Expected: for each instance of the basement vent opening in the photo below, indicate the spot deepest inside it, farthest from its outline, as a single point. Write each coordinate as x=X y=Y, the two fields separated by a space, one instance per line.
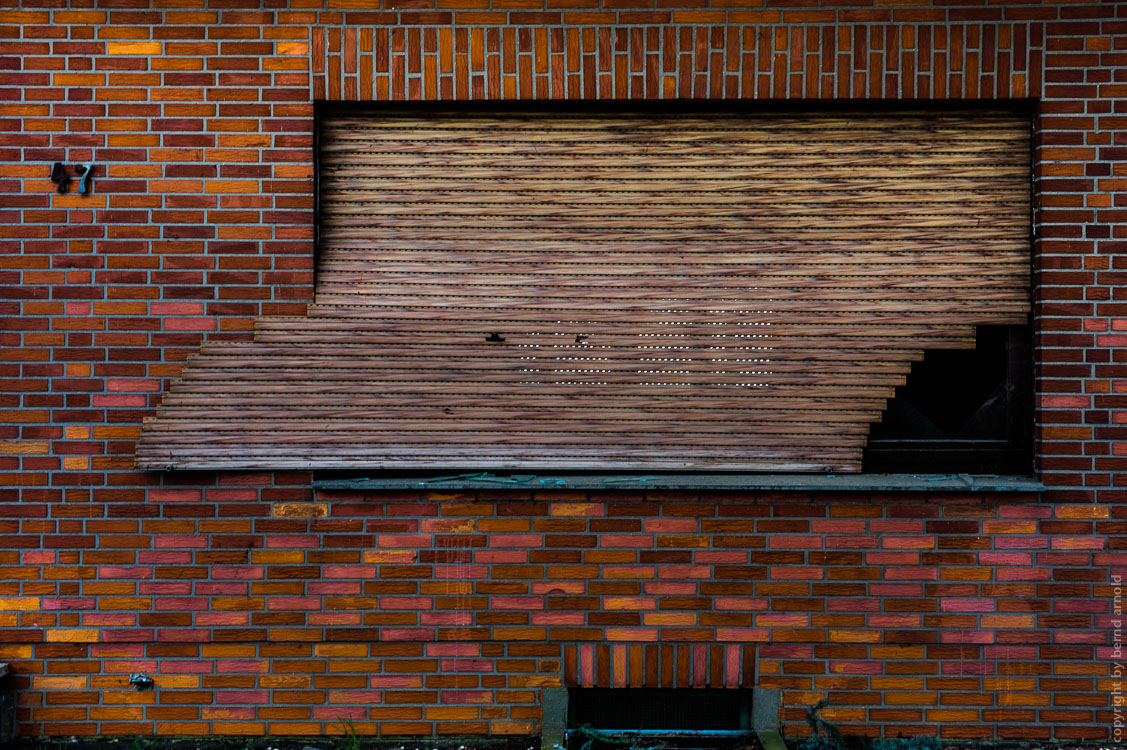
x=598 y=718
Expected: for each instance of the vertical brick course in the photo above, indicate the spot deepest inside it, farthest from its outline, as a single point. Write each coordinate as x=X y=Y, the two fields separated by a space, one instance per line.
x=262 y=607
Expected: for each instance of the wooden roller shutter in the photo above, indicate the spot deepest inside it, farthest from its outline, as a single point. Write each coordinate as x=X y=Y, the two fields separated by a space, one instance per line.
x=612 y=291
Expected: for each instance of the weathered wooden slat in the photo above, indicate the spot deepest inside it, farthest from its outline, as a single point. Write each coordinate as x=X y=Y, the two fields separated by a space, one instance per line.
x=776 y=299
x=349 y=429
x=702 y=185
x=376 y=155
x=594 y=290
x=576 y=375
x=348 y=140
x=493 y=444
x=729 y=406
x=690 y=262
x=513 y=437
x=772 y=250
x=893 y=151
x=333 y=367
x=589 y=387
x=360 y=335
x=859 y=229
x=355 y=214
x=437 y=355
x=358 y=203
x=866 y=333
x=967 y=201
x=236 y=460
x=762 y=317
x=389 y=285
x=378 y=214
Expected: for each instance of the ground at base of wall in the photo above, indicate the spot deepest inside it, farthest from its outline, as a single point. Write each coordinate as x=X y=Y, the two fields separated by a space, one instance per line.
x=431 y=743
x=343 y=742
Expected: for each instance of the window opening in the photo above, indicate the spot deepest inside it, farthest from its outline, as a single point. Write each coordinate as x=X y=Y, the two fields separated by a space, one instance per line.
x=660 y=708
x=961 y=410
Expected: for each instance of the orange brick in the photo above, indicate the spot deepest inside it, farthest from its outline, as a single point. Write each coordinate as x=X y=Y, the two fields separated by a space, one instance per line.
x=1082 y=511
x=58 y=635
x=117 y=713
x=300 y=510
x=50 y=682
x=19 y=603
x=855 y=636
x=133 y=48
x=24 y=447
x=894 y=698
x=952 y=714
x=1024 y=699
x=578 y=509
x=897 y=683
x=182 y=727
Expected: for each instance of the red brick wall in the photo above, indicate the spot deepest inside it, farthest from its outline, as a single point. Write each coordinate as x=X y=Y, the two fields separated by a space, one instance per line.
x=262 y=607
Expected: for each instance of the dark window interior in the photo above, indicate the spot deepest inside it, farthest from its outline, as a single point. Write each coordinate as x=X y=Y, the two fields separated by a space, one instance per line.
x=961 y=411
x=633 y=709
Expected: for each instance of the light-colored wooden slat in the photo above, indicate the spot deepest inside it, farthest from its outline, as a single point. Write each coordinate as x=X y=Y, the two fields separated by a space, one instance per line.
x=765 y=320
x=342 y=336
x=349 y=429
x=377 y=214
x=916 y=178
x=968 y=201
x=890 y=151
x=359 y=177
x=436 y=354
x=688 y=261
x=513 y=438
x=353 y=215
x=260 y=366
x=590 y=388
x=775 y=249
x=643 y=163
x=752 y=376
x=775 y=299
x=340 y=460
x=492 y=444
x=387 y=286
x=728 y=407
x=884 y=332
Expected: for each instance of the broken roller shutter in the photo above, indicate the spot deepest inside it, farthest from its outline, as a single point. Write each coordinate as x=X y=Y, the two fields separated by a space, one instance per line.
x=604 y=291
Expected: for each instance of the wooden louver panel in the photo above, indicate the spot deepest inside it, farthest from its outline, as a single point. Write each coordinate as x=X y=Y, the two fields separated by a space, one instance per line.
x=603 y=291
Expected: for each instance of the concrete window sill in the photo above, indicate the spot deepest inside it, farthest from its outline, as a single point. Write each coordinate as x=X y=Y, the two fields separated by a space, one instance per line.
x=741 y=482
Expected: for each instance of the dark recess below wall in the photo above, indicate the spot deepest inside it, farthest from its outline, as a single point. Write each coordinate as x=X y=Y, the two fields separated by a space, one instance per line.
x=340 y=742
x=413 y=743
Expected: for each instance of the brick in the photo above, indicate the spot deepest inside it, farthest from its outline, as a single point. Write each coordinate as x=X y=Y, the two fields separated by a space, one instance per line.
x=133 y=48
